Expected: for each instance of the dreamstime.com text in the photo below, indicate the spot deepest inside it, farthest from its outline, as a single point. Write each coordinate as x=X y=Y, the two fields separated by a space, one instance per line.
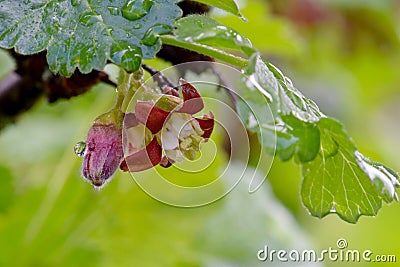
x=338 y=254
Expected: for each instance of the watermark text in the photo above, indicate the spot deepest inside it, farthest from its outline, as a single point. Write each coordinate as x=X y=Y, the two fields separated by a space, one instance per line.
x=340 y=253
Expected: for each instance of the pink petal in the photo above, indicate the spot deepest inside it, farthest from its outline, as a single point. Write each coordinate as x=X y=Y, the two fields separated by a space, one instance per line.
x=206 y=124
x=192 y=101
x=143 y=159
x=130 y=120
x=151 y=116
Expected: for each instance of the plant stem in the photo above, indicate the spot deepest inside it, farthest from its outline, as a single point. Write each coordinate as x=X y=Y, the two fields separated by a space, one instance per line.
x=127 y=99
x=128 y=84
x=158 y=77
x=205 y=50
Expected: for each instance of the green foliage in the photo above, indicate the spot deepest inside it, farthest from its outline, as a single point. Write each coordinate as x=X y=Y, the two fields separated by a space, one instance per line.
x=49 y=217
x=337 y=178
x=205 y=30
x=85 y=34
x=341 y=180
x=302 y=131
x=206 y=36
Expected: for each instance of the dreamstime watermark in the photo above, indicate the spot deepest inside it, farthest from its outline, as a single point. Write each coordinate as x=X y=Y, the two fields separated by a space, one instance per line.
x=340 y=253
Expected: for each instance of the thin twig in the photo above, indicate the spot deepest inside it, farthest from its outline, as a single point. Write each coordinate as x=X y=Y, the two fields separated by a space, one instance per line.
x=158 y=77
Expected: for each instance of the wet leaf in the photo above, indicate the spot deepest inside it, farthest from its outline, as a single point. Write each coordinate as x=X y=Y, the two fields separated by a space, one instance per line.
x=205 y=30
x=284 y=98
x=336 y=177
x=85 y=34
x=336 y=183
x=307 y=137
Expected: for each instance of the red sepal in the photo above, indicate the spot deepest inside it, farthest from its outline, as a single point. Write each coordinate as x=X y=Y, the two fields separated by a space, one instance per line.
x=143 y=159
x=206 y=124
x=192 y=101
x=151 y=116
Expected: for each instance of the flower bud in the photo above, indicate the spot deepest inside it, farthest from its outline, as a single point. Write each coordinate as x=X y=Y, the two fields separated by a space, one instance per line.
x=104 y=151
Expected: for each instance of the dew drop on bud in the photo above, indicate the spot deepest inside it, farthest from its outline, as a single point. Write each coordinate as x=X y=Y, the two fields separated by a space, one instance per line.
x=80 y=149
x=115 y=11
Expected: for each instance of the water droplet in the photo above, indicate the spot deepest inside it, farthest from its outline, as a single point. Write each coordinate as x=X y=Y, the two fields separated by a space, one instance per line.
x=80 y=149
x=151 y=36
x=88 y=19
x=288 y=81
x=137 y=26
x=188 y=39
x=384 y=178
x=106 y=32
x=230 y=37
x=37 y=5
x=57 y=26
x=97 y=188
x=115 y=11
x=199 y=23
x=243 y=18
x=128 y=57
x=136 y=9
x=75 y=2
x=131 y=60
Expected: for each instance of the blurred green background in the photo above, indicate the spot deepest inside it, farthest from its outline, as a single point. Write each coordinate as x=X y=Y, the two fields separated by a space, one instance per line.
x=342 y=54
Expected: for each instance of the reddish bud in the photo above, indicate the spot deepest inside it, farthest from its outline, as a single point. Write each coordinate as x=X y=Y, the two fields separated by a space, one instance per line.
x=104 y=152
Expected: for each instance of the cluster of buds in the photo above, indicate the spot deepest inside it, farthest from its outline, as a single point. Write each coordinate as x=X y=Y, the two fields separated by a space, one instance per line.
x=158 y=132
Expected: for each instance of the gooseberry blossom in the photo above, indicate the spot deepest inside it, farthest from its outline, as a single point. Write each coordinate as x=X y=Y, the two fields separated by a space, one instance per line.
x=165 y=131
x=161 y=132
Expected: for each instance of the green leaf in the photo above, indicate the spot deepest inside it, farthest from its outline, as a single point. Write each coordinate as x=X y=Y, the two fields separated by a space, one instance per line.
x=227 y=5
x=295 y=114
x=206 y=36
x=85 y=34
x=205 y=30
x=337 y=178
x=308 y=138
x=336 y=183
x=205 y=50
x=284 y=98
